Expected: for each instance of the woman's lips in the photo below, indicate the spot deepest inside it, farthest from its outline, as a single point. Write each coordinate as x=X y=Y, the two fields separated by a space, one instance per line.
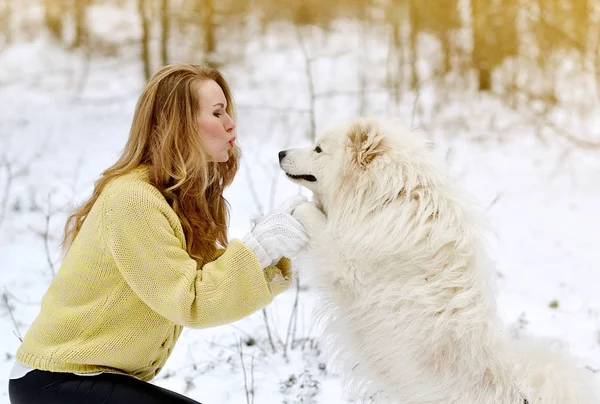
x=231 y=142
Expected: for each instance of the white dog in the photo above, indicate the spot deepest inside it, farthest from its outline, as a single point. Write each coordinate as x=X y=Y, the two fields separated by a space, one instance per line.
x=409 y=302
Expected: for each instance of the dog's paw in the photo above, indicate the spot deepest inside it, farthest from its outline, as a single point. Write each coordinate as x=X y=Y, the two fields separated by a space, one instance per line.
x=311 y=217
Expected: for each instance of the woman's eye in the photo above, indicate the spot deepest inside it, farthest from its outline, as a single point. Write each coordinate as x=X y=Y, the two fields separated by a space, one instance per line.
x=318 y=149
x=217 y=114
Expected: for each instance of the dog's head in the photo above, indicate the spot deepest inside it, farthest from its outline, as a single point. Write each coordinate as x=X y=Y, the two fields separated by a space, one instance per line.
x=361 y=159
x=386 y=199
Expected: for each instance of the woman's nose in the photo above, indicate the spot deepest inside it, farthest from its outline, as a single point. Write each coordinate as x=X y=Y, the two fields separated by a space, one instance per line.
x=230 y=126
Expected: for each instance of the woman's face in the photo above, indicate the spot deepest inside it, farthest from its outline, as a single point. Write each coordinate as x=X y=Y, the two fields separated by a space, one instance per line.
x=216 y=126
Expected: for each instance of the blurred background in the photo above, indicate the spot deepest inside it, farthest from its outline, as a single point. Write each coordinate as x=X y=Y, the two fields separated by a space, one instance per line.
x=476 y=45
x=507 y=90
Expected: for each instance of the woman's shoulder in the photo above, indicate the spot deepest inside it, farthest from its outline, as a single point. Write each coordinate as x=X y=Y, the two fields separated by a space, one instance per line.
x=133 y=189
x=132 y=204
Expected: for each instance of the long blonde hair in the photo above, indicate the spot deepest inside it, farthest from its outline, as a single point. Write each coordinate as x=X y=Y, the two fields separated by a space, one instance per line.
x=164 y=136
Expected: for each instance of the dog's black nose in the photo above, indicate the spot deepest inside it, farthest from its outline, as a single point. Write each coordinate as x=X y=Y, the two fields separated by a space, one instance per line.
x=282 y=155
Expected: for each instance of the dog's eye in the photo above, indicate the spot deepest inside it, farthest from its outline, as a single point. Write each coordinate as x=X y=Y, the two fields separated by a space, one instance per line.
x=318 y=149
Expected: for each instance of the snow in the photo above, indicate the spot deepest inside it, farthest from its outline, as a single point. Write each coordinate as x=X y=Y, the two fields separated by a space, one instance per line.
x=60 y=128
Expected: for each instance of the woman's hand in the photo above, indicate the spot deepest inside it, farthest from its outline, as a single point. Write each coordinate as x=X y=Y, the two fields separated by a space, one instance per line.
x=278 y=234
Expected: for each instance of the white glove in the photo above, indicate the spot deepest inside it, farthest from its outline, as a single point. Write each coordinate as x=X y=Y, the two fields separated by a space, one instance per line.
x=278 y=234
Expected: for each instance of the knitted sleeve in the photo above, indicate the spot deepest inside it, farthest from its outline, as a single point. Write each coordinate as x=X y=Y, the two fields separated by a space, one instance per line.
x=279 y=276
x=139 y=231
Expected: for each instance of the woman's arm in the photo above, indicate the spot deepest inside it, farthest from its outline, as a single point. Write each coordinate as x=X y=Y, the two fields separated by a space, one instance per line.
x=139 y=232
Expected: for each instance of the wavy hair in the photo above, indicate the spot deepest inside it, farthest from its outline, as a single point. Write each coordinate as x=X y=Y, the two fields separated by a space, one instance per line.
x=164 y=137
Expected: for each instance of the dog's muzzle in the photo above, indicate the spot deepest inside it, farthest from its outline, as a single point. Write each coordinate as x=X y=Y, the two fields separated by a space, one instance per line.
x=305 y=177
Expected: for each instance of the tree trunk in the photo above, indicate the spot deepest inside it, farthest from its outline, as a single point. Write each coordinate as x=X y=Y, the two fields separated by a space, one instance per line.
x=53 y=17
x=447 y=52
x=6 y=20
x=480 y=57
x=208 y=30
x=415 y=28
x=395 y=72
x=145 y=38
x=81 y=29
x=165 y=32
x=581 y=17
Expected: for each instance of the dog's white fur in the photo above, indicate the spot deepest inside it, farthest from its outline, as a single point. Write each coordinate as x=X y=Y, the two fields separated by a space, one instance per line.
x=409 y=304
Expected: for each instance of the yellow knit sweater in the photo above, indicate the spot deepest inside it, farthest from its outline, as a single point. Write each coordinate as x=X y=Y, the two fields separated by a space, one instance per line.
x=127 y=287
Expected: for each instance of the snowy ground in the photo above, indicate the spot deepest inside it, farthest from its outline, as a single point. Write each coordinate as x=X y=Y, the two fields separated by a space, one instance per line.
x=59 y=131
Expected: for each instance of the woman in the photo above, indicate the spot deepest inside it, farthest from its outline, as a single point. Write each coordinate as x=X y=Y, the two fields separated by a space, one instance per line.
x=143 y=258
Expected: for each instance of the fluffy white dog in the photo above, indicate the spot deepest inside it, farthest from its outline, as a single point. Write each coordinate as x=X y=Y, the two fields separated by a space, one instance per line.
x=409 y=303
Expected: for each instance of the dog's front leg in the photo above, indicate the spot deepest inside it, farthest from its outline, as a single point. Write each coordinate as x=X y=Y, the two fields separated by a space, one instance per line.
x=321 y=259
x=313 y=220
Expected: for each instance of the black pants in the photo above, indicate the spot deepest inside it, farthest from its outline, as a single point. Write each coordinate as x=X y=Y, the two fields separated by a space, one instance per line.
x=41 y=387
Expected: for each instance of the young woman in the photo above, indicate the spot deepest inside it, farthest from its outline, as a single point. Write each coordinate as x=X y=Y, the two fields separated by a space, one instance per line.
x=148 y=254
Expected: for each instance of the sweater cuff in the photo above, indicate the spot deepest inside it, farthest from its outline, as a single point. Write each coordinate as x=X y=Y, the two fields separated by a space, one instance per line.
x=263 y=258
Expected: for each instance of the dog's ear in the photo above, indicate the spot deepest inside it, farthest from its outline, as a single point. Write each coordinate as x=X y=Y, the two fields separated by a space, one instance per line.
x=366 y=142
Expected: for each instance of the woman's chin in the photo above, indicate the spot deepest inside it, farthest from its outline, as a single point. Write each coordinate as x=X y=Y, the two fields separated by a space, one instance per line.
x=224 y=158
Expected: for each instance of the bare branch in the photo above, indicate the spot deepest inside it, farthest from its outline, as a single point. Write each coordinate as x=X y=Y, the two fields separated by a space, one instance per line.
x=12 y=316
x=310 y=82
x=493 y=202
x=48 y=211
x=249 y=390
x=264 y=311
x=46 y=235
x=293 y=315
x=576 y=141
x=414 y=110
x=13 y=172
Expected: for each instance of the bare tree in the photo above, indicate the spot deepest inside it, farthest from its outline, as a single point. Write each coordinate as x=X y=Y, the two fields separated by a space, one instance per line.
x=312 y=97
x=53 y=17
x=10 y=309
x=362 y=62
x=495 y=36
x=397 y=15
x=143 y=12
x=248 y=385
x=6 y=19
x=290 y=336
x=12 y=171
x=208 y=23
x=481 y=59
x=415 y=28
x=81 y=28
x=596 y=64
x=581 y=19
x=48 y=209
x=165 y=31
